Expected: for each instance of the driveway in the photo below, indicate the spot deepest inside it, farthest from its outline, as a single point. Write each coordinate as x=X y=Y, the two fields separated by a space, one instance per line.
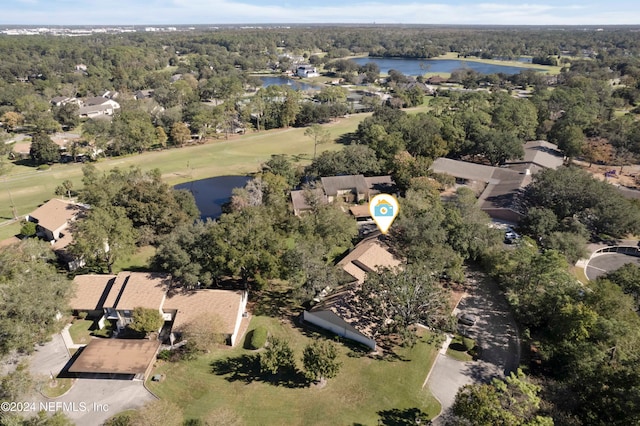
x=92 y=401
x=496 y=333
x=89 y=402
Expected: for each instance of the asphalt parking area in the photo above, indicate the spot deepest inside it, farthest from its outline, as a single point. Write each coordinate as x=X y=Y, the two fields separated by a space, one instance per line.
x=608 y=262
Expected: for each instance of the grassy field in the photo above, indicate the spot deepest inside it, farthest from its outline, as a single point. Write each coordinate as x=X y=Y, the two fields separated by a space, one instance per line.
x=366 y=389
x=27 y=188
x=454 y=55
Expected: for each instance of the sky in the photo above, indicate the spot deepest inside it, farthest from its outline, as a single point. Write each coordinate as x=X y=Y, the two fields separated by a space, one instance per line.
x=463 y=12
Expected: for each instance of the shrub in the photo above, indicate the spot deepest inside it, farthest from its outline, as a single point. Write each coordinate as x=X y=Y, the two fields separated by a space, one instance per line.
x=28 y=229
x=82 y=314
x=164 y=355
x=43 y=167
x=258 y=337
x=468 y=343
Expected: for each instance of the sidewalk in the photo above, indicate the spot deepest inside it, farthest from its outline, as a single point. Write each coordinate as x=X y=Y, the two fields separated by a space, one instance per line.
x=66 y=338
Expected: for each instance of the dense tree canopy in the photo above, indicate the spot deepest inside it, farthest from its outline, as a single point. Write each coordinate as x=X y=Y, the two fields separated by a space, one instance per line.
x=573 y=193
x=28 y=313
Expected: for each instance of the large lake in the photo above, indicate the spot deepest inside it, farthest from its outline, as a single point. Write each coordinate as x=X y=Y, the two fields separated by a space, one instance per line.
x=212 y=193
x=286 y=81
x=417 y=67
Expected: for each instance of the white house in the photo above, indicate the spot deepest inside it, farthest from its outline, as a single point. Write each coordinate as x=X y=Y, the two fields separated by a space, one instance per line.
x=307 y=71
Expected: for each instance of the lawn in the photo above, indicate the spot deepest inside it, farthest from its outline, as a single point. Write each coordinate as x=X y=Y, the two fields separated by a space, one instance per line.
x=365 y=391
x=27 y=188
x=139 y=261
x=56 y=387
x=457 y=350
x=79 y=331
x=547 y=68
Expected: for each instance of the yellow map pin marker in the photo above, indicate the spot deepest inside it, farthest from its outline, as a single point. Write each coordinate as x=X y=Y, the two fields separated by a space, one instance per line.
x=384 y=208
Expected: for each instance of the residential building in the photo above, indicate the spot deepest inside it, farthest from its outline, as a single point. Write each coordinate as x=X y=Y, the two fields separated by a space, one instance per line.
x=307 y=71
x=53 y=219
x=338 y=312
x=349 y=188
x=114 y=297
x=499 y=189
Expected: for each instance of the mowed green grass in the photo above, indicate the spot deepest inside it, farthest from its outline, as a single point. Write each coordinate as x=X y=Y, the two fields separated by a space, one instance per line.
x=364 y=386
x=27 y=188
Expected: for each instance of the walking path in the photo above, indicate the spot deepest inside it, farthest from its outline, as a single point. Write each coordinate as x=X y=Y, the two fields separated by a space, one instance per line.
x=66 y=337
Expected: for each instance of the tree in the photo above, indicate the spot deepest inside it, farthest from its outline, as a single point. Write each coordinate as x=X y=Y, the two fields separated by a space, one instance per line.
x=569 y=137
x=398 y=299
x=319 y=135
x=17 y=384
x=132 y=132
x=150 y=204
x=28 y=317
x=277 y=358
x=320 y=360
x=180 y=133
x=103 y=237
x=161 y=135
x=43 y=150
x=352 y=160
x=12 y=120
x=146 y=320
x=65 y=188
x=159 y=412
x=513 y=401
x=67 y=115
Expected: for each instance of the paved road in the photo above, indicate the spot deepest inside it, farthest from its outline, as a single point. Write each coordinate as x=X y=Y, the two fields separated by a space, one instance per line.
x=90 y=401
x=603 y=263
x=496 y=333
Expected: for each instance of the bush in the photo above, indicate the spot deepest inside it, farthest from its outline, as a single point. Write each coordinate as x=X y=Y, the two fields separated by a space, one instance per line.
x=468 y=343
x=43 y=167
x=258 y=338
x=82 y=315
x=28 y=229
x=164 y=355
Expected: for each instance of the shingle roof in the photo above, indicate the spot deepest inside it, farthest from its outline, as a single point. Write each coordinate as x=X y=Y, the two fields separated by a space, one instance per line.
x=137 y=289
x=333 y=184
x=96 y=100
x=463 y=169
x=190 y=305
x=368 y=256
x=380 y=184
x=542 y=153
x=55 y=213
x=341 y=308
x=91 y=291
x=299 y=201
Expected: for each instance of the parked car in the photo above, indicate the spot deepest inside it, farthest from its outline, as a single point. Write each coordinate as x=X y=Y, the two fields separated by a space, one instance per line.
x=511 y=236
x=467 y=319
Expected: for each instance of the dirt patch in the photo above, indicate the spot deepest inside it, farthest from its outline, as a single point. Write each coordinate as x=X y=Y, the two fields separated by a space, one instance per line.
x=628 y=177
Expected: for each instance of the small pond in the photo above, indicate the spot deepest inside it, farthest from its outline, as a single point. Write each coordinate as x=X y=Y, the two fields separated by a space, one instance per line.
x=212 y=193
x=286 y=81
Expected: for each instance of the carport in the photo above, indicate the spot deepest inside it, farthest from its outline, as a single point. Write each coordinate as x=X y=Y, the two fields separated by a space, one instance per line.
x=123 y=359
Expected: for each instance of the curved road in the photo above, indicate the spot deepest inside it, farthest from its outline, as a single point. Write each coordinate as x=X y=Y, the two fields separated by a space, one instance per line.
x=497 y=334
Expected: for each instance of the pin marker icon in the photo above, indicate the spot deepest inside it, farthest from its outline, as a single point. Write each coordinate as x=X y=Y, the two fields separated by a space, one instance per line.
x=384 y=208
